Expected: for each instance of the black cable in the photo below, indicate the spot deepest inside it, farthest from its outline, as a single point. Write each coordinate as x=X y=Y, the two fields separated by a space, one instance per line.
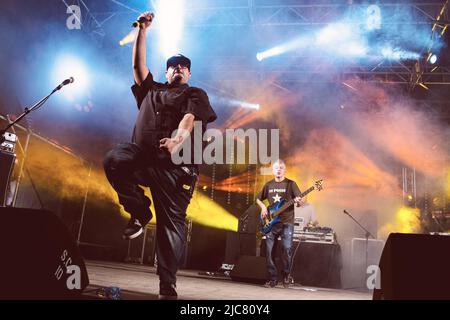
x=293 y=257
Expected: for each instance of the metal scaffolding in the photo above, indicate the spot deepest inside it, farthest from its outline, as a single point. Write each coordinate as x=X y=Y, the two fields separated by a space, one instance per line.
x=215 y=15
x=317 y=13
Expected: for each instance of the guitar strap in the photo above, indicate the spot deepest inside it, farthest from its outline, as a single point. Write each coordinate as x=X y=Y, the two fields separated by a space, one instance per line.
x=288 y=190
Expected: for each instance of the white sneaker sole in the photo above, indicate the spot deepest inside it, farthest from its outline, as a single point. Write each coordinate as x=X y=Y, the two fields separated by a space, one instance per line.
x=134 y=235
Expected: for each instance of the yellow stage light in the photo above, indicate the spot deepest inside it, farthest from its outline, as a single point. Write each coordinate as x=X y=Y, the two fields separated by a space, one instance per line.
x=423 y=86
x=205 y=211
x=407 y=220
x=128 y=38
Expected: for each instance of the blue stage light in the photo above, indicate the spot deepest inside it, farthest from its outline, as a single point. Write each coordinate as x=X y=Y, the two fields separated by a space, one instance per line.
x=433 y=59
x=67 y=66
x=169 y=21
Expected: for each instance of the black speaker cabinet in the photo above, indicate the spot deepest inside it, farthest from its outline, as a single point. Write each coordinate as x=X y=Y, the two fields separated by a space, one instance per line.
x=250 y=269
x=39 y=257
x=313 y=264
x=249 y=220
x=414 y=266
x=6 y=166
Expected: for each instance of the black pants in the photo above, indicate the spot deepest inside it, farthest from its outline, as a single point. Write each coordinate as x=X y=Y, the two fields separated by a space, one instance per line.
x=127 y=166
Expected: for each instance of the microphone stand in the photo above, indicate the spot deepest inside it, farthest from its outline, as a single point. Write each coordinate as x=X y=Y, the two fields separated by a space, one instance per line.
x=27 y=111
x=37 y=105
x=367 y=235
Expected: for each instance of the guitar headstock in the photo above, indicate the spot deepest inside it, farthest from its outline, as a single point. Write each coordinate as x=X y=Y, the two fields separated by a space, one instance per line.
x=318 y=184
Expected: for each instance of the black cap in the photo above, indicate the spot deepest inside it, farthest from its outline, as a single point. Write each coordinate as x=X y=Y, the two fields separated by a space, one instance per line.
x=178 y=59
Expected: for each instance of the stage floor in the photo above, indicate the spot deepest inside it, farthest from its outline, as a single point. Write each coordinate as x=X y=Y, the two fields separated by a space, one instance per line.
x=141 y=282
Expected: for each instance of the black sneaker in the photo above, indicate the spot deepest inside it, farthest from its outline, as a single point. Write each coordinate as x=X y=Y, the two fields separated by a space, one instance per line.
x=271 y=283
x=167 y=291
x=133 y=229
x=287 y=281
x=148 y=214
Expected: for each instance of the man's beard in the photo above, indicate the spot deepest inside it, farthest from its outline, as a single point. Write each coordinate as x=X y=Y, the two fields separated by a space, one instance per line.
x=177 y=78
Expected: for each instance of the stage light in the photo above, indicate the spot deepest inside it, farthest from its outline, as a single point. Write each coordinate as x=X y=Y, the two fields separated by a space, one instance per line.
x=437 y=202
x=423 y=85
x=170 y=24
x=67 y=66
x=407 y=219
x=205 y=211
x=349 y=86
x=398 y=54
x=335 y=33
x=129 y=37
x=243 y=104
x=250 y=105
x=269 y=53
x=227 y=102
x=341 y=39
x=297 y=43
x=433 y=59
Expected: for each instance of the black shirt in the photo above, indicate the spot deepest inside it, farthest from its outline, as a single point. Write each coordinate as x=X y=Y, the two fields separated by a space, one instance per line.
x=161 y=108
x=279 y=191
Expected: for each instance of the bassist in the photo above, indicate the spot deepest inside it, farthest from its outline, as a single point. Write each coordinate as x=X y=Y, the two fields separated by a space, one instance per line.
x=278 y=190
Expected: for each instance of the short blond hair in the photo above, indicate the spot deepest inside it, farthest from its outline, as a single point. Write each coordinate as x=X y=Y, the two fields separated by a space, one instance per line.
x=280 y=161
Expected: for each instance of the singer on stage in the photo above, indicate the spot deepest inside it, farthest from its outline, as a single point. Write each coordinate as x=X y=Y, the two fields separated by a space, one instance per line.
x=146 y=161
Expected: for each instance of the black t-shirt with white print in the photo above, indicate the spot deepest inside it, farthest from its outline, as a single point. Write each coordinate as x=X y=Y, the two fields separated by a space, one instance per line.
x=276 y=192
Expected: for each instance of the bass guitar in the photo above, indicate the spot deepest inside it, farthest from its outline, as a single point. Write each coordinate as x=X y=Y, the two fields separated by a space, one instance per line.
x=274 y=211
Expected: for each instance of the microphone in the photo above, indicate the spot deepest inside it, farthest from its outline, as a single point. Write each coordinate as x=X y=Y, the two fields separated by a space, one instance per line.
x=65 y=82
x=138 y=22
x=345 y=211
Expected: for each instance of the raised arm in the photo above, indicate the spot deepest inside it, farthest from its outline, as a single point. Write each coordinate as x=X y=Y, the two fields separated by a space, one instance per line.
x=140 y=69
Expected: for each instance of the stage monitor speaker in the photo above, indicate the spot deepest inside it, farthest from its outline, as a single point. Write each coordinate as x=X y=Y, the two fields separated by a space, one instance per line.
x=250 y=269
x=358 y=268
x=40 y=259
x=6 y=166
x=414 y=266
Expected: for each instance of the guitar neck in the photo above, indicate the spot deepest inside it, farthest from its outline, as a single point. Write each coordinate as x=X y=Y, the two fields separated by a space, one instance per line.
x=291 y=202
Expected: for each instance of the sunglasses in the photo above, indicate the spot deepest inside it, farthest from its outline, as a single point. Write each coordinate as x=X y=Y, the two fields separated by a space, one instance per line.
x=180 y=65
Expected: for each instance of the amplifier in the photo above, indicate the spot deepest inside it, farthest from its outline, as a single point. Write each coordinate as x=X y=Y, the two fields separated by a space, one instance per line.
x=315 y=235
x=9 y=145
x=6 y=167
